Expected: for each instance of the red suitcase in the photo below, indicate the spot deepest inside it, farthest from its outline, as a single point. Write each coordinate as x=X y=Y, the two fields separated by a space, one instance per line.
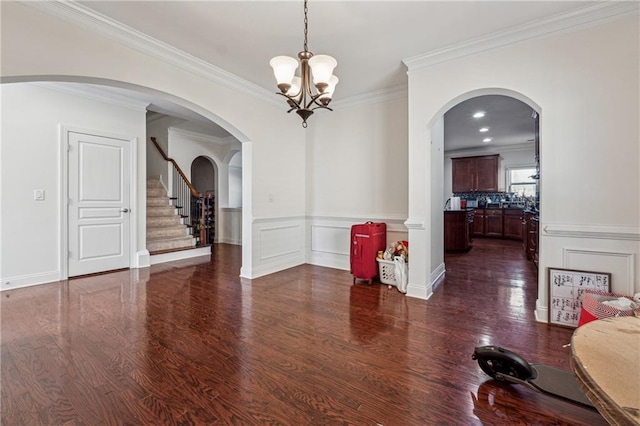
x=366 y=240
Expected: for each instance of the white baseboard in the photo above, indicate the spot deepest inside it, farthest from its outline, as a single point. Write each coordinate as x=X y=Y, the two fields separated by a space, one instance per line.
x=271 y=268
x=418 y=291
x=541 y=312
x=10 y=283
x=329 y=260
x=231 y=241
x=143 y=259
x=179 y=255
x=425 y=292
x=437 y=277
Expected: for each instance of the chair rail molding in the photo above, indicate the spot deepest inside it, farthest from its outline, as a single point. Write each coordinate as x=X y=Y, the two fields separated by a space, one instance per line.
x=631 y=233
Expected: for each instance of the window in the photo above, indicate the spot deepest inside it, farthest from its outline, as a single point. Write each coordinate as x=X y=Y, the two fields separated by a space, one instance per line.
x=520 y=181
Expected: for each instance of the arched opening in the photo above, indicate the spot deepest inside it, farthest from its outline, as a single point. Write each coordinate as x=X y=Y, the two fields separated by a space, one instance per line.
x=134 y=97
x=507 y=137
x=203 y=176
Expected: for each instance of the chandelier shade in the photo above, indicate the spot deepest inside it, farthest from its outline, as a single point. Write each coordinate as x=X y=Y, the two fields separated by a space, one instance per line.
x=284 y=68
x=322 y=69
x=300 y=94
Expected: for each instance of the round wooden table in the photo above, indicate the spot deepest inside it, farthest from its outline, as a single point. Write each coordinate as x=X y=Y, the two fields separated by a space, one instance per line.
x=606 y=361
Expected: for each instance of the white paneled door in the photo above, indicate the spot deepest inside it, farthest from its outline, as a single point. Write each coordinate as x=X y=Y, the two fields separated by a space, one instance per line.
x=98 y=203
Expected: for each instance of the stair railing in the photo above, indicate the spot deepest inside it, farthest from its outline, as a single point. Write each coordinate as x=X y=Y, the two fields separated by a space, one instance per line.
x=195 y=208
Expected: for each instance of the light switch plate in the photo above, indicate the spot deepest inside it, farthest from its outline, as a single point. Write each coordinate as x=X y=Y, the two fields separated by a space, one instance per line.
x=38 y=194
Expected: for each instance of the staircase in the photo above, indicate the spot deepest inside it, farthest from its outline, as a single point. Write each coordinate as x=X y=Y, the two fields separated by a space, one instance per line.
x=165 y=230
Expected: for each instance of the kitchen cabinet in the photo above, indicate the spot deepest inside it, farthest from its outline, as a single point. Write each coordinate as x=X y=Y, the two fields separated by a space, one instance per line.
x=525 y=231
x=531 y=237
x=493 y=223
x=457 y=229
x=512 y=224
x=473 y=174
x=534 y=240
x=478 y=222
x=503 y=223
x=488 y=222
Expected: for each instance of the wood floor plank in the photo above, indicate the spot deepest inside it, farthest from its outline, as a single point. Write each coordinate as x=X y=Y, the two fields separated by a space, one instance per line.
x=191 y=343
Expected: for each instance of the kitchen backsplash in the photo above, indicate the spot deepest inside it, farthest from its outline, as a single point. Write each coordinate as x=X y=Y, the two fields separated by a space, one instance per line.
x=484 y=198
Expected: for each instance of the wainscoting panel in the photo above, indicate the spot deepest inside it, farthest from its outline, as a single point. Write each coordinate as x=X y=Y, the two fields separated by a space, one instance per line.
x=329 y=238
x=330 y=245
x=620 y=265
x=278 y=244
x=278 y=241
x=597 y=248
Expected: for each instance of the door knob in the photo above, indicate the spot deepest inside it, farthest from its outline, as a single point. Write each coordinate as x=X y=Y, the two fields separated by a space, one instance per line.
x=125 y=210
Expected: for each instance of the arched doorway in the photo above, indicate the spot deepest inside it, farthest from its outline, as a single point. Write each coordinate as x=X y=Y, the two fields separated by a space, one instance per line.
x=491 y=184
x=203 y=176
x=426 y=235
x=137 y=98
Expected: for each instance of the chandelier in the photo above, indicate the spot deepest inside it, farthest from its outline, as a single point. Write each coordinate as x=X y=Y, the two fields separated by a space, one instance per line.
x=298 y=90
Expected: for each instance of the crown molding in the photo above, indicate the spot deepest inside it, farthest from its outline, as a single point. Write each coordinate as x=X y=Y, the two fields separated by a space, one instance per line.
x=383 y=95
x=565 y=22
x=93 y=21
x=90 y=20
x=201 y=137
x=100 y=96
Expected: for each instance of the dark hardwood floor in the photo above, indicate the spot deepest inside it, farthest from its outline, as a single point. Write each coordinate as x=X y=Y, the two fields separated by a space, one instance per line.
x=191 y=343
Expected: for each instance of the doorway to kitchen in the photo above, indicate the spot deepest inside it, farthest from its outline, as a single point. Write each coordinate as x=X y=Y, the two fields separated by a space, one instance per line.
x=491 y=188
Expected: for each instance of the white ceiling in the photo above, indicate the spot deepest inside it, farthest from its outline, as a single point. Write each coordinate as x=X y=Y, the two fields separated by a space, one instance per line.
x=510 y=122
x=368 y=38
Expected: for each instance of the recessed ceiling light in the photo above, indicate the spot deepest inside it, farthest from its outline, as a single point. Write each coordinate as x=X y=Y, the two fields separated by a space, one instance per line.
x=478 y=114
x=485 y=140
x=484 y=129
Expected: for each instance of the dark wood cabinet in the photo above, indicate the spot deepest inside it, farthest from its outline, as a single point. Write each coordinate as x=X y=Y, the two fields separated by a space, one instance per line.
x=504 y=223
x=472 y=174
x=493 y=223
x=487 y=173
x=531 y=237
x=478 y=222
x=512 y=224
x=463 y=174
x=457 y=230
x=534 y=240
x=525 y=231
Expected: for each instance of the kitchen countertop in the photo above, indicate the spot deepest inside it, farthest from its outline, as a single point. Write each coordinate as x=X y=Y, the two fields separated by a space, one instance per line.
x=501 y=208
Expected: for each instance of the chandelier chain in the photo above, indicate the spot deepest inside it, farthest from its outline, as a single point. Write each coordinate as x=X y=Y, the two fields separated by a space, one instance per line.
x=306 y=23
x=303 y=94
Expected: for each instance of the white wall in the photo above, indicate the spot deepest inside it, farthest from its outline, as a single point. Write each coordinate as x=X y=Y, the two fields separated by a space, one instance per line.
x=157 y=167
x=357 y=171
x=230 y=226
x=30 y=159
x=585 y=84
x=437 y=209
x=43 y=47
x=235 y=180
x=185 y=146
